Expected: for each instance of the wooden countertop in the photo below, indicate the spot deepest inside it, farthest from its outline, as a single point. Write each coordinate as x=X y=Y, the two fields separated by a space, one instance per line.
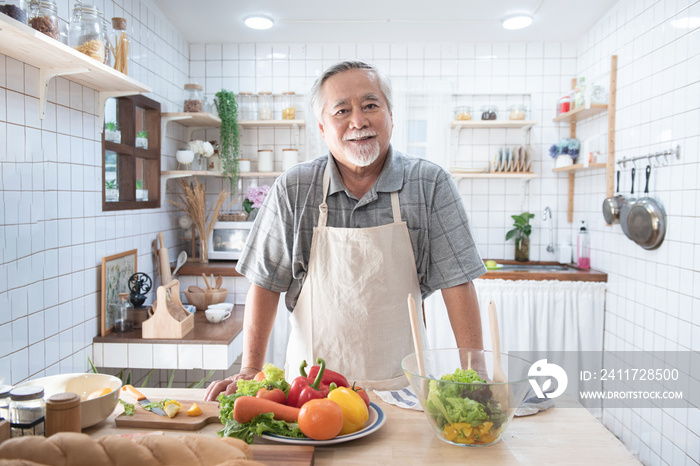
x=571 y=273
x=204 y=332
x=569 y=436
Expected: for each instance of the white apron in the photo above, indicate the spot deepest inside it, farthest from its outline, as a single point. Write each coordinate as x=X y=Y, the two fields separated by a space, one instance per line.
x=352 y=310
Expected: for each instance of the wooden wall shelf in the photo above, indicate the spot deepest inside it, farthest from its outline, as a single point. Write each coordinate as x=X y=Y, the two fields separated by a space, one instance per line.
x=482 y=124
x=579 y=167
x=582 y=113
x=522 y=175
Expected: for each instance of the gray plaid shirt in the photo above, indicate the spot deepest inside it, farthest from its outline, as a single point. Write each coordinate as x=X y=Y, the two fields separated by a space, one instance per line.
x=276 y=256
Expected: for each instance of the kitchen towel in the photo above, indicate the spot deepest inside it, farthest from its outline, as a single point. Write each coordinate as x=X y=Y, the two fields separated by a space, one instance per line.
x=405 y=398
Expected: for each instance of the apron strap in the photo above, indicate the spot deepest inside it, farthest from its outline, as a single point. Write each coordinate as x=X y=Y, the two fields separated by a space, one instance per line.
x=395 y=208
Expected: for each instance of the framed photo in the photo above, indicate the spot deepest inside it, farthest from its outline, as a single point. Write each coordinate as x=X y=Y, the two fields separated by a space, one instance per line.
x=116 y=271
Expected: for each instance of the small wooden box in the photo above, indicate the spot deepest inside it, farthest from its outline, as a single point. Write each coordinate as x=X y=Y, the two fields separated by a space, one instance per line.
x=169 y=318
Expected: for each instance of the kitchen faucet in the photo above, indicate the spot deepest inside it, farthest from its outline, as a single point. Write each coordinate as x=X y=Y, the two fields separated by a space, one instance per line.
x=547 y=215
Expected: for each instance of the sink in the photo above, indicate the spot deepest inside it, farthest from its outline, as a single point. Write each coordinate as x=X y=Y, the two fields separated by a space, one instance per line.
x=535 y=268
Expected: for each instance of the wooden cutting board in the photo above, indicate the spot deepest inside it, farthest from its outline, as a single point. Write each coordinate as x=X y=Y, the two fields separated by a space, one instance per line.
x=143 y=419
x=283 y=455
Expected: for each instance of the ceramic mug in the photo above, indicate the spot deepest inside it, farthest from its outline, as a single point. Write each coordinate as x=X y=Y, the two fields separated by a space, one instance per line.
x=217 y=315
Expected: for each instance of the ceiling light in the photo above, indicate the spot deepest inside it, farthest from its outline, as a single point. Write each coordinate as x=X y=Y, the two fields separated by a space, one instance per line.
x=258 y=22
x=517 y=22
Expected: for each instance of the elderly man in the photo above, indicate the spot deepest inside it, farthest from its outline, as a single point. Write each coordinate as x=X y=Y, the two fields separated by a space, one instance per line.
x=348 y=236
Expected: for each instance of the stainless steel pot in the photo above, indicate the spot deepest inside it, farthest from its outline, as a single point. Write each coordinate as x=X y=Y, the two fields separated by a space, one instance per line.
x=612 y=205
x=625 y=209
x=646 y=220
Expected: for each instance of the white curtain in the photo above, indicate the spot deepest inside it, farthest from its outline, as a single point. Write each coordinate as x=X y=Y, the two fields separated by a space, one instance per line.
x=533 y=315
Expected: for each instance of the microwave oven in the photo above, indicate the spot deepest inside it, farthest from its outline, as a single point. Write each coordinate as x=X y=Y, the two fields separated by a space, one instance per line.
x=227 y=239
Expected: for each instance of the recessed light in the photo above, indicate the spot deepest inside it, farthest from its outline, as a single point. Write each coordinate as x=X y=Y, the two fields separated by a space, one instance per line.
x=517 y=22
x=258 y=22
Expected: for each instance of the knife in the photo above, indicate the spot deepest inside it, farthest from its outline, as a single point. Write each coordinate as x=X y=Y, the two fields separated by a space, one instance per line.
x=141 y=398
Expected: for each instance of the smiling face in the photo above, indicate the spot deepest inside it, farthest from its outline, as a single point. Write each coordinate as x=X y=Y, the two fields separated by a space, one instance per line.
x=355 y=121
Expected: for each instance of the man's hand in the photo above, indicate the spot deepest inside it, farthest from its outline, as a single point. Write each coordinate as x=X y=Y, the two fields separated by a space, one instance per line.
x=228 y=386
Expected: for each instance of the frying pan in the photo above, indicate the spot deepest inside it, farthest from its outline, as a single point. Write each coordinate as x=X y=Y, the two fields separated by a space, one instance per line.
x=646 y=220
x=612 y=205
x=625 y=209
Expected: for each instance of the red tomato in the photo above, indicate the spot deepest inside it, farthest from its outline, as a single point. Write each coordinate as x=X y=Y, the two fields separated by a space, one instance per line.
x=321 y=419
x=363 y=394
x=276 y=394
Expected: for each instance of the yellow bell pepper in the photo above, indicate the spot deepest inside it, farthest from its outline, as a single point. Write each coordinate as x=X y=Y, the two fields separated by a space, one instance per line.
x=355 y=413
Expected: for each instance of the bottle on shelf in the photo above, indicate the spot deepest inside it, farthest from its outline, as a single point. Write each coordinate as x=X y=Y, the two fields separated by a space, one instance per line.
x=265 y=105
x=120 y=45
x=583 y=247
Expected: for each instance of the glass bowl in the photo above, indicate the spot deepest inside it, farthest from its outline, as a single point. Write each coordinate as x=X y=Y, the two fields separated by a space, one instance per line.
x=467 y=414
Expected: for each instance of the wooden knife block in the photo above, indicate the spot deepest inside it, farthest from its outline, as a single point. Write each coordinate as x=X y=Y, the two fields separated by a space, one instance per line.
x=167 y=321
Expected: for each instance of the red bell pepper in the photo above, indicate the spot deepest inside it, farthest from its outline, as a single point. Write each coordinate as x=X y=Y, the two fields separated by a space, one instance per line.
x=306 y=388
x=329 y=377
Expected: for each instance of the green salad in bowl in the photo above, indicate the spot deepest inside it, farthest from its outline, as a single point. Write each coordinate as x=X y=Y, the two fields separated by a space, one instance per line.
x=462 y=406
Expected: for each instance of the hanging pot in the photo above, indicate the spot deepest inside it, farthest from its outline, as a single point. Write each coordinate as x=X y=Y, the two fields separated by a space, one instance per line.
x=646 y=220
x=625 y=209
x=612 y=205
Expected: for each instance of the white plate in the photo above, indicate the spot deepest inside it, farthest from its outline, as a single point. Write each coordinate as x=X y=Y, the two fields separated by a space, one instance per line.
x=375 y=421
x=467 y=170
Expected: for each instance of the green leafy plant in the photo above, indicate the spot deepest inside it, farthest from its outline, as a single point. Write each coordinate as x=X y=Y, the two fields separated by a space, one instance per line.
x=229 y=136
x=111 y=126
x=521 y=227
x=142 y=134
x=111 y=184
x=139 y=184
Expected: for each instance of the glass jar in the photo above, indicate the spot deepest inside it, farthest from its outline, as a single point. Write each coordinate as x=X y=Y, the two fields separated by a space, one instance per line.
x=517 y=112
x=288 y=109
x=246 y=105
x=265 y=105
x=194 y=98
x=123 y=313
x=266 y=160
x=120 y=45
x=5 y=401
x=564 y=105
x=108 y=46
x=463 y=113
x=489 y=112
x=27 y=411
x=86 y=32
x=44 y=18
x=15 y=9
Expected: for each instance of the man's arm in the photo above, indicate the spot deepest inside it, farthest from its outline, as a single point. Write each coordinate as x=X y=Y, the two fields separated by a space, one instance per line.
x=258 y=319
x=465 y=318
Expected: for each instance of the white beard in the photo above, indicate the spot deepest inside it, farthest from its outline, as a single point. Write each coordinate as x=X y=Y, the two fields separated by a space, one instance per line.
x=364 y=155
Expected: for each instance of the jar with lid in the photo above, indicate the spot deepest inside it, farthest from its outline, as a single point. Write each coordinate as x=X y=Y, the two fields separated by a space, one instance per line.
x=564 y=105
x=489 y=112
x=463 y=113
x=517 y=112
x=290 y=157
x=15 y=9
x=194 y=98
x=105 y=30
x=63 y=413
x=86 y=32
x=265 y=105
x=288 y=108
x=5 y=401
x=246 y=105
x=43 y=17
x=27 y=411
x=123 y=313
x=266 y=160
x=120 y=45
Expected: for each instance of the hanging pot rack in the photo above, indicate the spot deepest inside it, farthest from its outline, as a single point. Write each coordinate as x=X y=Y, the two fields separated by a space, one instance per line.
x=655 y=157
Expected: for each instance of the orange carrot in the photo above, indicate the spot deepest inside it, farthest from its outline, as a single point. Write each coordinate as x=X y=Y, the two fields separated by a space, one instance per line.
x=259 y=377
x=247 y=407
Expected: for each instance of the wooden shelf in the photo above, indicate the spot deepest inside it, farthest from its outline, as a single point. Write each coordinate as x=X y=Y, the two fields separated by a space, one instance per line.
x=270 y=123
x=482 y=124
x=225 y=268
x=521 y=175
x=579 y=167
x=201 y=119
x=171 y=174
x=582 y=113
x=56 y=59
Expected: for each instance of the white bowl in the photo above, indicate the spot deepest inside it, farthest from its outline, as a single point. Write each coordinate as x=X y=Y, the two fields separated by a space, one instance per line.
x=216 y=316
x=91 y=411
x=184 y=156
x=223 y=306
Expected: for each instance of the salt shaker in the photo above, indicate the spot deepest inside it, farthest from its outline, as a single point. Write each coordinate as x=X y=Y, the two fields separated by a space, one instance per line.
x=62 y=413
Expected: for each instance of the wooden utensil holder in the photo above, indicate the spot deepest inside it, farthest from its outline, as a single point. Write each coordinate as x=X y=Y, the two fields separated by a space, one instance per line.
x=164 y=323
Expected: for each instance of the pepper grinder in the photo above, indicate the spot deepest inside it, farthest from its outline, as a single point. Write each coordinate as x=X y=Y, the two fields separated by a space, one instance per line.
x=63 y=413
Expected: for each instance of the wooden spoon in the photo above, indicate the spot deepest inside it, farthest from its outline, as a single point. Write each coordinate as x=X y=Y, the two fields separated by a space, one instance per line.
x=219 y=281
x=195 y=289
x=206 y=281
x=415 y=327
x=500 y=392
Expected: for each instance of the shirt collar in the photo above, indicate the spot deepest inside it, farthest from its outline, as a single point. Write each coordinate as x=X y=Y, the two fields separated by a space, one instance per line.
x=390 y=178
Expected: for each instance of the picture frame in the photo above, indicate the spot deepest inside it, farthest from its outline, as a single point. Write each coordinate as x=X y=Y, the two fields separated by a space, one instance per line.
x=116 y=270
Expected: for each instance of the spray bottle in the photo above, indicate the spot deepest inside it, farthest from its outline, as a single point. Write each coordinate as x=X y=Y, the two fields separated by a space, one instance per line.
x=583 y=247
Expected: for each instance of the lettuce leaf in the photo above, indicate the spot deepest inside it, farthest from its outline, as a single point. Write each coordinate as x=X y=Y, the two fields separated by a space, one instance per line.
x=262 y=424
x=274 y=378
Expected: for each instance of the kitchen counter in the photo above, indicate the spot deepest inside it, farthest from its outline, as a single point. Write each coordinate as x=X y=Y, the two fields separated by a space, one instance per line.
x=556 y=436
x=568 y=272
x=207 y=346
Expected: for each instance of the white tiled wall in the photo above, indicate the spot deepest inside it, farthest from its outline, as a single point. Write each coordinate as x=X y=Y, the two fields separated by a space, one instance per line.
x=54 y=233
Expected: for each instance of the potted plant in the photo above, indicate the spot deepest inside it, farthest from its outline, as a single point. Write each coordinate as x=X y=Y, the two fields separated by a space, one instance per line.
x=142 y=139
x=203 y=150
x=184 y=157
x=112 y=134
x=141 y=194
x=254 y=198
x=521 y=232
x=111 y=190
x=229 y=136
